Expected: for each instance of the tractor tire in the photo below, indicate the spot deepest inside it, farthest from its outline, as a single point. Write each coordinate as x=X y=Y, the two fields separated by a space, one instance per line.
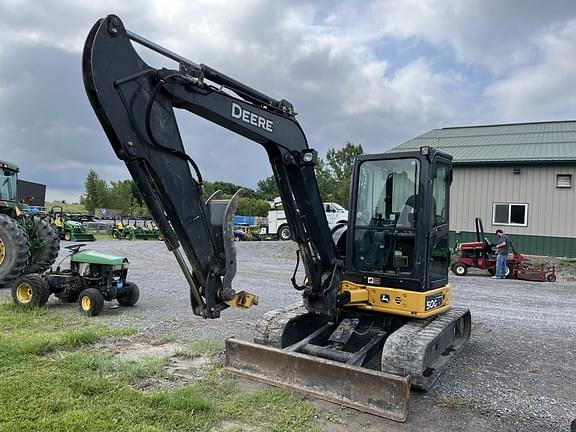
x=49 y=246
x=129 y=295
x=551 y=277
x=14 y=250
x=91 y=302
x=460 y=269
x=284 y=233
x=30 y=290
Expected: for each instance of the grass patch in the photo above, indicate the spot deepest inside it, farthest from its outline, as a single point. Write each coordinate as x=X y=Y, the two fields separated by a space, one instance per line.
x=54 y=376
x=101 y=235
x=67 y=208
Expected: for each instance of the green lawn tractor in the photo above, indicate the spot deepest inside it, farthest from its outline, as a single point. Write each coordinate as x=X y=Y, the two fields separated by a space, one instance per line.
x=28 y=244
x=67 y=229
x=92 y=278
x=147 y=231
x=122 y=231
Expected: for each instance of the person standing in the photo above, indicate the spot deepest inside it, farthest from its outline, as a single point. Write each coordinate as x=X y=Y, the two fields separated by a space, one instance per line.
x=501 y=254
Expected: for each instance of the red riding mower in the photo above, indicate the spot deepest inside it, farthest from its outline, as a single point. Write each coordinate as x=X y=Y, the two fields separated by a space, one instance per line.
x=481 y=254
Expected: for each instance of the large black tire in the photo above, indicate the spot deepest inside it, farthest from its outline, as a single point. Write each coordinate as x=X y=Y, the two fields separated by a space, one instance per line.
x=48 y=246
x=30 y=290
x=129 y=295
x=284 y=233
x=91 y=302
x=14 y=250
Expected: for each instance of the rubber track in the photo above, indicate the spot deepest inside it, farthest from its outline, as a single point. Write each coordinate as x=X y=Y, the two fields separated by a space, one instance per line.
x=20 y=252
x=270 y=328
x=406 y=350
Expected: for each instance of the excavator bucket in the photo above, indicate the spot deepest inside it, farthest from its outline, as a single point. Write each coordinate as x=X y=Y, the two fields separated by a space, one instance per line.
x=366 y=390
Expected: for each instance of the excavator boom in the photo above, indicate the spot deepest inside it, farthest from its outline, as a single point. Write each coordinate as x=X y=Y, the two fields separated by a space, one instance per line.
x=135 y=104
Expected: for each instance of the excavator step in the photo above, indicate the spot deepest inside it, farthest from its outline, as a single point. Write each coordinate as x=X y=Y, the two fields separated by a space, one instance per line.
x=366 y=390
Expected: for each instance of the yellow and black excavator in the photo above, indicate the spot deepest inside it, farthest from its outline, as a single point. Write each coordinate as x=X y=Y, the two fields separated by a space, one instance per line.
x=376 y=316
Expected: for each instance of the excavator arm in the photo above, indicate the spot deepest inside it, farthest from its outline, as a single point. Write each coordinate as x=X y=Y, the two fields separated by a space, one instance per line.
x=135 y=104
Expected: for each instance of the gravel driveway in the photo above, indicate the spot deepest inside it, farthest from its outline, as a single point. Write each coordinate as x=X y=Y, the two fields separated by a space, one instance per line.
x=517 y=374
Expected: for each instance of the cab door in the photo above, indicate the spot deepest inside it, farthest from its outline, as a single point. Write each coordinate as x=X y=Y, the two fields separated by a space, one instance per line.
x=439 y=252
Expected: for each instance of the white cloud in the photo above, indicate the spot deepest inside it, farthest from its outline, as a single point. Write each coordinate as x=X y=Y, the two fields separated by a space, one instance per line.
x=545 y=90
x=490 y=33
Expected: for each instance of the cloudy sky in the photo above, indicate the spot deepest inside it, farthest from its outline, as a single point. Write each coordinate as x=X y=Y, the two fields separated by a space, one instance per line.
x=371 y=72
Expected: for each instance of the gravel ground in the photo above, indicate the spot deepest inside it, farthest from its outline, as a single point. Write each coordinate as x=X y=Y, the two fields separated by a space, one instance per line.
x=518 y=372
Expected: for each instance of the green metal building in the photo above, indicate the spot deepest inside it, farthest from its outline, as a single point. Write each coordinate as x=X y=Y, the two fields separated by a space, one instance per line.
x=517 y=177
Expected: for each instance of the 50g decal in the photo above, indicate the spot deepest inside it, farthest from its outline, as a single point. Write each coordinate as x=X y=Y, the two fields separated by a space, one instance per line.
x=433 y=301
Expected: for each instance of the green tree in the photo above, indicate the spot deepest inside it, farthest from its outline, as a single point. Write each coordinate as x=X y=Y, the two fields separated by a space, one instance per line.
x=136 y=194
x=120 y=196
x=267 y=188
x=228 y=189
x=252 y=207
x=335 y=175
x=96 y=192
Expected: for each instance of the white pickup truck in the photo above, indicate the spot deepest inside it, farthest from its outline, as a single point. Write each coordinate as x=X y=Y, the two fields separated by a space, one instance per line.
x=278 y=225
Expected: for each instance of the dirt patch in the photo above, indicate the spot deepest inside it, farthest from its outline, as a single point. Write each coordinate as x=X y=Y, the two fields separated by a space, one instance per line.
x=178 y=370
x=189 y=368
x=139 y=350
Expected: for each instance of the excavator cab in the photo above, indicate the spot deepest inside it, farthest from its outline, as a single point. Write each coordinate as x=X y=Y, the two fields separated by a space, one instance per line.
x=399 y=236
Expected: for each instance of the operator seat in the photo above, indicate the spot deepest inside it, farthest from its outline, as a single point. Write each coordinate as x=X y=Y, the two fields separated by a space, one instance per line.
x=405 y=220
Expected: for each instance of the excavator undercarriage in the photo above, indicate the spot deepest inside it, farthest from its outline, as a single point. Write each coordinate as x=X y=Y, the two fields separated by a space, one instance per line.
x=376 y=317
x=367 y=362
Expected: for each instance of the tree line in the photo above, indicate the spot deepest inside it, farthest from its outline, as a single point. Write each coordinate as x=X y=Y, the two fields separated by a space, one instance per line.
x=333 y=176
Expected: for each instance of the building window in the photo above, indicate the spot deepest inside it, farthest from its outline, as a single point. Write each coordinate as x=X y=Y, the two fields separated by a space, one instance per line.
x=563 y=180
x=510 y=214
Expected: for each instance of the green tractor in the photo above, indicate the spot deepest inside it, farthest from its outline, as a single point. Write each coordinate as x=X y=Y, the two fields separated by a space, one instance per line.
x=92 y=278
x=67 y=229
x=28 y=244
